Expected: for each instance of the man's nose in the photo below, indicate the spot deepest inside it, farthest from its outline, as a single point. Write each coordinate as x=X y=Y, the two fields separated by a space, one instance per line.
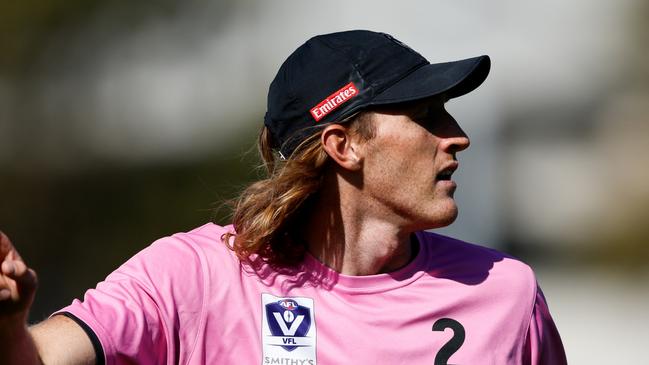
x=456 y=140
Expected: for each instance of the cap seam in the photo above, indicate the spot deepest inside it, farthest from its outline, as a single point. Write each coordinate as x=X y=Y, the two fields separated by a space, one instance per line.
x=401 y=78
x=413 y=69
x=349 y=58
x=370 y=101
x=448 y=89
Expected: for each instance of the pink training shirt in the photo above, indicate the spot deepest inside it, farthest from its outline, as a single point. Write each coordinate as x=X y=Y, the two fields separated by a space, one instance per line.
x=187 y=300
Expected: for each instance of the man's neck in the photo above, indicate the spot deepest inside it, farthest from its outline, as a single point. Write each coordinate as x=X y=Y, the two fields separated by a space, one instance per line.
x=342 y=233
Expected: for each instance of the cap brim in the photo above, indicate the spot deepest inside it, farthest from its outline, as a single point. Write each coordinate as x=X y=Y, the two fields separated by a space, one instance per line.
x=451 y=78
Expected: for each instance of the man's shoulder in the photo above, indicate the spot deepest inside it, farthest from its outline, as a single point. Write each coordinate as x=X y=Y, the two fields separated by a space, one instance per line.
x=449 y=246
x=208 y=239
x=209 y=231
x=206 y=235
x=474 y=264
x=194 y=250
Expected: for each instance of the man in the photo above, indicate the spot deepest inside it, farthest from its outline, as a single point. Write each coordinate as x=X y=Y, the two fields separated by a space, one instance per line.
x=327 y=260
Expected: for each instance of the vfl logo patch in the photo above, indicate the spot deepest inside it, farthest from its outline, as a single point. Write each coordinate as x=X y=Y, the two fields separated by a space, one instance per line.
x=333 y=101
x=288 y=330
x=290 y=321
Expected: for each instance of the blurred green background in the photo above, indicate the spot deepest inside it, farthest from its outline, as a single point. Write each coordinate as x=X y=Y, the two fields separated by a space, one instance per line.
x=122 y=122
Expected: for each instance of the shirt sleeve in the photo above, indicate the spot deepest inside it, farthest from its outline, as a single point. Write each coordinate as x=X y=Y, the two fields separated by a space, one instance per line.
x=137 y=311
x=543 y=345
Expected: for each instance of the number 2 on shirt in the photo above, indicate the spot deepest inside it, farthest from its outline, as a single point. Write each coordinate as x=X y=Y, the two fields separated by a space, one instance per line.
x=451 y=345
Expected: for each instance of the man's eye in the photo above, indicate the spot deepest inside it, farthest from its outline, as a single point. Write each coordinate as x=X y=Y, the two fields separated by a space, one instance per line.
x=422 y=113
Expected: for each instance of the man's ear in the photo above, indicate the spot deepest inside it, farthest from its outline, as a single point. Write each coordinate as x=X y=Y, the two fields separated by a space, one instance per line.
x=342 y=147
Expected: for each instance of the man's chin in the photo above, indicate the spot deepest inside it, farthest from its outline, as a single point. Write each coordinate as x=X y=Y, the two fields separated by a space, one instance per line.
x=448 y=219
x=441 y=218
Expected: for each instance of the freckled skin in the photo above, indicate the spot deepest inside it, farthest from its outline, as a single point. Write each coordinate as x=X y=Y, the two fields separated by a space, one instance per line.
x=401 y=164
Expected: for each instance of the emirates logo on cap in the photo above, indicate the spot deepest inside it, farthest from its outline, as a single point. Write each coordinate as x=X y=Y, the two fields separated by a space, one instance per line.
x=333 y=101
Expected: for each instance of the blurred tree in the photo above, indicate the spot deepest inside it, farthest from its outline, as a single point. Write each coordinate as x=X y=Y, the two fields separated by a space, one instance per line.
x=75 y=229
x=76 y=224
x=28 y=26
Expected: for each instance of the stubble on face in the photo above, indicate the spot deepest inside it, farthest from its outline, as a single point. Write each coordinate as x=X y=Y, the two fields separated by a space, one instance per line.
x=402 y=165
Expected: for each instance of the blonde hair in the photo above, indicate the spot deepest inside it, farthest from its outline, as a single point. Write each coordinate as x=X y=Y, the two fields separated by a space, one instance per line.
x=266 y=213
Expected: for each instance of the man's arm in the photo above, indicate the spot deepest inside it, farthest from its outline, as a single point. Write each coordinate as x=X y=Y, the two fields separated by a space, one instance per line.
x=58 y=340
x=543 y=345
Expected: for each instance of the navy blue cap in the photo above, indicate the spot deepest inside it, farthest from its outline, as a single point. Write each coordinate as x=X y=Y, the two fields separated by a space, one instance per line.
x=333 y=76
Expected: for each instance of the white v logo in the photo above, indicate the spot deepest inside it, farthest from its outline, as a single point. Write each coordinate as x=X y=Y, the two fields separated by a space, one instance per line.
x=282 y=325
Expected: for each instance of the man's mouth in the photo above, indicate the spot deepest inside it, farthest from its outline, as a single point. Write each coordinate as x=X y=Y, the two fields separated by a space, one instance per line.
x=446 y=173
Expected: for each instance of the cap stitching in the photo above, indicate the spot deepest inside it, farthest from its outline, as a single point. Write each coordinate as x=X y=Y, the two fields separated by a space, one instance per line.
x=349 y=58
x=448 y=89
